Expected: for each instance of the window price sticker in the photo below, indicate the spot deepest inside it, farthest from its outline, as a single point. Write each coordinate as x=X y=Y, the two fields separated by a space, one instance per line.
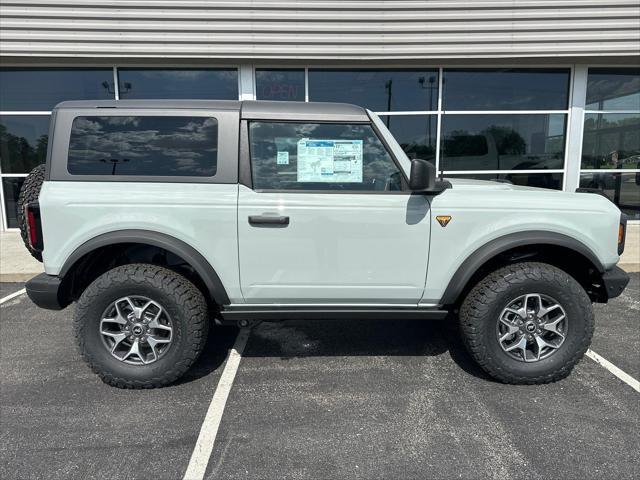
x=330 y=161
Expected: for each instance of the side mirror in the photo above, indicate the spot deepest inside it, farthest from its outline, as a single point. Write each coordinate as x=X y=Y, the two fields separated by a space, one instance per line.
x=423 y=176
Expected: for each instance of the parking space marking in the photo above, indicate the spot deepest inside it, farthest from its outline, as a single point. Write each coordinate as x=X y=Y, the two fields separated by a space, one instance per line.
x=204 y=445
x=622 y=375
x=13 y=295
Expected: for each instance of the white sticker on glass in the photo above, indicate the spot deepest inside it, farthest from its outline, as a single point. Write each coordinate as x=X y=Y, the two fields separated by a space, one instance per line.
x=282 y=158
x=330 y=161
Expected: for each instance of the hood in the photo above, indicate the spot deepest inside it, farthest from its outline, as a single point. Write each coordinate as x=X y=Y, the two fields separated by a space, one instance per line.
x=472 y=184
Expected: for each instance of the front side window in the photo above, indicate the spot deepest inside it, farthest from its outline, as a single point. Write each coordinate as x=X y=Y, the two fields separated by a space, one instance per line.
x=143 y=146
x=320 y=156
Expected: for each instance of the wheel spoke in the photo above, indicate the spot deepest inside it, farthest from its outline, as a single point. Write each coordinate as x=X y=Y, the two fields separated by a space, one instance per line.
x=519 y=345
x=135 y=350
x=542 y=343
x=118 y=337
x=544 y=311
x=155 y=324
x=553 y=326
x=119 y=308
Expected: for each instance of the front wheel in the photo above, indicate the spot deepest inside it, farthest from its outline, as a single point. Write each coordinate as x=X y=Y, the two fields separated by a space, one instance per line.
x=527 y=323
x=141 y=326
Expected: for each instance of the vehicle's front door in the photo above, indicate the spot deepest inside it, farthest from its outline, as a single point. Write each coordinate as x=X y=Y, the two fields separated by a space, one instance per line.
x=326 y=220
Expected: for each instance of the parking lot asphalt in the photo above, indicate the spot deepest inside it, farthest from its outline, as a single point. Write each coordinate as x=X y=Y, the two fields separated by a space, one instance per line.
x=359 y=399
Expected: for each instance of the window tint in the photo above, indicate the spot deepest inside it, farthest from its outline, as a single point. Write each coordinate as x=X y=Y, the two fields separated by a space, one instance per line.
x=211 y=84
x=506 y=89
x=613 y=89
x=320 y=156
x=552 y=181
x=502 y=142
x=611 y=140
x=23 y=142
x=416 y=134
x=377 y=90
x=41 y=89
x=623 y=189
x=149 y=146
x=278 y=84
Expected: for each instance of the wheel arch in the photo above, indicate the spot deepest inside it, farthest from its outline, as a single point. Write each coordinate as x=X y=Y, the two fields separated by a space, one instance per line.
x=549 y=245
x=179 y=248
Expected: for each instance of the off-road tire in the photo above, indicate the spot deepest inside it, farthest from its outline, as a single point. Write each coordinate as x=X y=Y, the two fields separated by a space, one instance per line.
x=184 y=303
x=481 y=309
x=29 y=192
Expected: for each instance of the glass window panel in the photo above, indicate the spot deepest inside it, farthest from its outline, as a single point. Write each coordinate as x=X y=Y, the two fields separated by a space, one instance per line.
x=377 y=90
x=623 y=189
x=611 y=140
x=613 y=89
x=320 y=156
x=151 y=146
x=41 y=89
x=416 y=134
x=220 y=84
x=540 y=180
x=23 y=142
x=506 y=89
x=279 y=84
x=11 y=187
x=503 y=142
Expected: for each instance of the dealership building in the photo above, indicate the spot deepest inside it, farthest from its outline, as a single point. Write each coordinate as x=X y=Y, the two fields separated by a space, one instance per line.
x=543 y=93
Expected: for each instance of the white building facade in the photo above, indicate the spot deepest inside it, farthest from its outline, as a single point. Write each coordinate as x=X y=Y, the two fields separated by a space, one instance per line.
x=543 y=93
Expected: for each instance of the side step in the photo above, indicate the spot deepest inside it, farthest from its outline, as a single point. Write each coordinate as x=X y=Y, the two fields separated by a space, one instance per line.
x=234 y=313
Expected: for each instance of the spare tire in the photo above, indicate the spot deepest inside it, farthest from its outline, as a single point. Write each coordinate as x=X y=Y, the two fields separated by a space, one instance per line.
x=29 y=193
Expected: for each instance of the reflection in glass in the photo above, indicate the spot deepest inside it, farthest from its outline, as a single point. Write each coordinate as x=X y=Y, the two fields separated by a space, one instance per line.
x=221 y=84
x=613 y=89
x=23 y=142
x=11 y=187
x=416 y=134
x=280 y=84
x=506 y=89
x=151 y=146
x=274 y=157
x=40 y=89
x=502 y=142
x=611 y=140
x=541 y=180
x=378 y=90
x=623 y=189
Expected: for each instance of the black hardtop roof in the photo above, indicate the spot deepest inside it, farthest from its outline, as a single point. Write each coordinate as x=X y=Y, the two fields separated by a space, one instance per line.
x=250 y=109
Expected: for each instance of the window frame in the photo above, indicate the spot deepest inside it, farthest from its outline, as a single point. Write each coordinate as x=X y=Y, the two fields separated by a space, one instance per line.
x=227 y=145
x=246 y=167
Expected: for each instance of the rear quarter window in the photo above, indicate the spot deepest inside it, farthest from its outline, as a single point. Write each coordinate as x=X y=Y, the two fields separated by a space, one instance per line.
x=178 y=146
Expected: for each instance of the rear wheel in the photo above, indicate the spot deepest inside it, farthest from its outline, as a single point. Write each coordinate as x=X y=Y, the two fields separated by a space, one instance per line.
x=141 y=326
x=527 y=323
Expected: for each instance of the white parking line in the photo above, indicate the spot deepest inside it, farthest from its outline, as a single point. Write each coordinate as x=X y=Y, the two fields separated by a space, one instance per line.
x=624 y=376
x=13 y=295
x=209 y=430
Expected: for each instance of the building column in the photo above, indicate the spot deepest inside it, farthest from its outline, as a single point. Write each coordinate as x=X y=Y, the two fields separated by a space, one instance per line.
x=575 y=128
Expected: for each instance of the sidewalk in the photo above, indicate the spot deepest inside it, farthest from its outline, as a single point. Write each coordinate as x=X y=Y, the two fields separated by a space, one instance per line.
x=16 y=265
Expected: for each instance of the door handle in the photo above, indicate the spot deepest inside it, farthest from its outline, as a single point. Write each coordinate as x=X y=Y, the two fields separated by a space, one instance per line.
x=268 y=220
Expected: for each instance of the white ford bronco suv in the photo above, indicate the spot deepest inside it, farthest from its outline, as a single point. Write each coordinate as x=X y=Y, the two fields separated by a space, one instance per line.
x=159 y=218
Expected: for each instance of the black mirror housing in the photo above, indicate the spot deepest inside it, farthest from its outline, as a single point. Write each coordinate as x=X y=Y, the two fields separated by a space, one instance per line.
x=423 y=176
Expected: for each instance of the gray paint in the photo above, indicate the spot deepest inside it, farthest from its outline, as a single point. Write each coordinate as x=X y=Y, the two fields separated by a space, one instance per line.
x=321 y=30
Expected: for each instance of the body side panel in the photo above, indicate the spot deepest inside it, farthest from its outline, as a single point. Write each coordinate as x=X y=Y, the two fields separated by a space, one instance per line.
x=481 y=215
x=203 y=216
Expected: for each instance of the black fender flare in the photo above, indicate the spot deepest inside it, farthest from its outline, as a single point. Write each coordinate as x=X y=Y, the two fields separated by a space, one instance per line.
x=501 y=244
x=189 y=254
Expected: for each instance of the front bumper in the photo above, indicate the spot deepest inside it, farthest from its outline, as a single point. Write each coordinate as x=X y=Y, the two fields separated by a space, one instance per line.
x=615 y=281
x=45 y=291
